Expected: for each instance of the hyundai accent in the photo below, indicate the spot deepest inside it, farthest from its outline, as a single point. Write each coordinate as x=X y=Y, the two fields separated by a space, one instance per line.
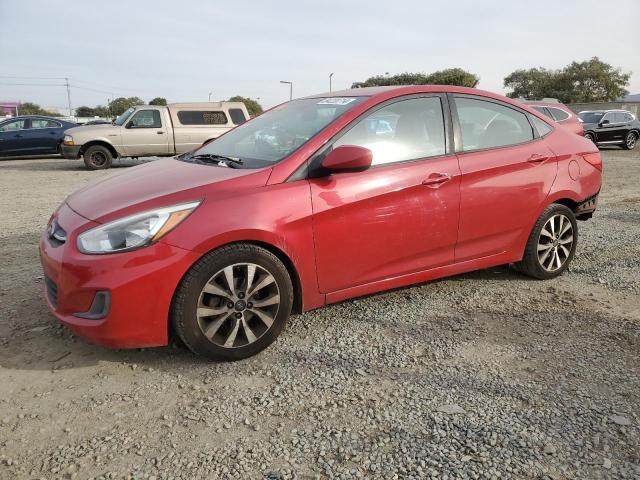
x=316 y=201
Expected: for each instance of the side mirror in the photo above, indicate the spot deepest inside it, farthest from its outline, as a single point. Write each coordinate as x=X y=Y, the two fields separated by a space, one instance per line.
x=348 y=158
x=604 y=122
x=129 y=124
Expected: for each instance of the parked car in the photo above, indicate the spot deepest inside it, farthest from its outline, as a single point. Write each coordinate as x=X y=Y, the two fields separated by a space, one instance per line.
x=32 y=135
x=557 y=111
x=611 y=127
x=150 y=130
x=310 y=204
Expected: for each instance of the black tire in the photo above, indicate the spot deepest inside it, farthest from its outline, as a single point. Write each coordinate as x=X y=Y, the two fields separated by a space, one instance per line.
x=97 y=157
x=189 y=295
x=531 y=264
x=590 y=136
x=630 y=141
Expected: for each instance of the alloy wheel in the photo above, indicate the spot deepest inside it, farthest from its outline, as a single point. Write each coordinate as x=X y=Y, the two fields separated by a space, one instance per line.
x=555 y=242
x=238 y=305
x=631 y=141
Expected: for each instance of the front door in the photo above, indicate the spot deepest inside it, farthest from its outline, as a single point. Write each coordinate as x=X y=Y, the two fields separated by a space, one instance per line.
x=401 y=215
x=145 y=134
x=507 y=172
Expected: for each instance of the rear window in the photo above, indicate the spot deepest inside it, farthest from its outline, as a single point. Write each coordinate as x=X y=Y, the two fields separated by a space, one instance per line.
x=201 y=117
x=558 y=114
x=237 y=116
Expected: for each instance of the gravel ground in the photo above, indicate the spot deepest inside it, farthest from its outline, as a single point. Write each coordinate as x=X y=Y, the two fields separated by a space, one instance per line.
x=484 y=375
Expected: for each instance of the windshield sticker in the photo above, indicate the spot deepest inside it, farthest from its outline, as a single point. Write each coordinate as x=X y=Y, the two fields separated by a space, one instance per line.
x=336 y=101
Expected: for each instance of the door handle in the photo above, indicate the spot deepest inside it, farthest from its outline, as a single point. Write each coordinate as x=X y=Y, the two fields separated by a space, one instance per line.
x=160 y=133
x=537 y=158
x=436 y=179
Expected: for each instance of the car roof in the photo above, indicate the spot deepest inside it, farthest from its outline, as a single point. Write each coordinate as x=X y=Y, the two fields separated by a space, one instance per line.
x=606 y=111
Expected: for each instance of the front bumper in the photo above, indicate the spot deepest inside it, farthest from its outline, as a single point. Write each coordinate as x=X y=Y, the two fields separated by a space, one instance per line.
x=140 y=286
x=72 y=152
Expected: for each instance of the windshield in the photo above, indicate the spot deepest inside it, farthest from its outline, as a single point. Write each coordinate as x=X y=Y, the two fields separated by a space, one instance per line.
x=591 y=117
x=275 y=134
x=123 y=118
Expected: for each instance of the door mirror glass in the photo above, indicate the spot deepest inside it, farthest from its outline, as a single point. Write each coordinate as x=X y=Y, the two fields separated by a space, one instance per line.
x=129 y=125
x=348 y=158
x=604 y=122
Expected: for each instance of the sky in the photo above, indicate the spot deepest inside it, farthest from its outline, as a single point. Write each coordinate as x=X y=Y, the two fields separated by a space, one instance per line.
x=185 y=50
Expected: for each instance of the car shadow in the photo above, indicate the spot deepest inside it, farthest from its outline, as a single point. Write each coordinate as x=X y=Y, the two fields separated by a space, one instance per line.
x=32 y=339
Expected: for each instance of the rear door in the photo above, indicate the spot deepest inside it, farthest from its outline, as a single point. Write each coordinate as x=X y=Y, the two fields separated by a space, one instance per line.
x=13 y=139
x=401 y=215
x=146 y=134
x=507 y=172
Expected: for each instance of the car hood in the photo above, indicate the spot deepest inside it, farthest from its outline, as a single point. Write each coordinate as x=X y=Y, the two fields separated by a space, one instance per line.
x=159 y=183
x=588 y=124
x=93 y=129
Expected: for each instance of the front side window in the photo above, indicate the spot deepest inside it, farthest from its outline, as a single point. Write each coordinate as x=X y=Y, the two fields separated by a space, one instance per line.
x=591 y=117
x=405 y=130
x=486 y=124
x=197 y=117
x=608 y=118
x=558 y=114
x=146 y=119
x=11 y=126
x=124 y=116
x=279 y=132
x=44 y=123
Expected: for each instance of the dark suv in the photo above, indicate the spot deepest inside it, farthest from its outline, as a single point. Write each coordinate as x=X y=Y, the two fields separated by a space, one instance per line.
x=611 y=127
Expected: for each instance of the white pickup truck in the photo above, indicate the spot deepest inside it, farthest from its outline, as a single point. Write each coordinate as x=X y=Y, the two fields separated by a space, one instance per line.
x=152 y=131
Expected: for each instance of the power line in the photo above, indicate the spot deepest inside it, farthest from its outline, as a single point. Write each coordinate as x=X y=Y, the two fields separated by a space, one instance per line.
x=35 y=84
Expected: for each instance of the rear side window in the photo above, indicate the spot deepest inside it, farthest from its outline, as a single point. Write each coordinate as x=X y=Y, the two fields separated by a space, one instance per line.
x=146 y=119
x=405 y=130
x=486 y=124
x=558 y=114
x=43 y=123
x=628 y=117
x=237 y=116
x=543 y=111
x=201 y=117
x=540 y=126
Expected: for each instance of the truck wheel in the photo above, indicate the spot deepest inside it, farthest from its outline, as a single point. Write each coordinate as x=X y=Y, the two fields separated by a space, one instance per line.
x=97 y=157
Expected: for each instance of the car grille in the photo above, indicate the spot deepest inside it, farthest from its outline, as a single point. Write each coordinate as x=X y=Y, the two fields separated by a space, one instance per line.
x=52 y=291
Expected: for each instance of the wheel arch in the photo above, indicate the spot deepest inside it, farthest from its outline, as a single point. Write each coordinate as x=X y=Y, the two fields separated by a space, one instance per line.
x=101 y=143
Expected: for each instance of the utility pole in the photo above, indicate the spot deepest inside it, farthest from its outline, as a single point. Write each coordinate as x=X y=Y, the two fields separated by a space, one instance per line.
x=210 y=95
x=290 y=88
x=330 y=75
x=66 y=83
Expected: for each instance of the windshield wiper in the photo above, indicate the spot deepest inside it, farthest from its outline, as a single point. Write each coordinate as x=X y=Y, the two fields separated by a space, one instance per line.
x=216 y=158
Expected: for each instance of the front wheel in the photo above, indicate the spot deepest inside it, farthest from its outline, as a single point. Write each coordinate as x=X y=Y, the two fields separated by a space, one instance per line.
x=233 y=303
x=551 y=245
x=630 y=141
x=590 y=136
x=97 y=157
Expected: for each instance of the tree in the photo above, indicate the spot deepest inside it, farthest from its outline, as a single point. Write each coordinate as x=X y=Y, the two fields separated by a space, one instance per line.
x=579 y=82
x=29 y=108
x=158 y=101
x=253 y=107
x=97 y=111
x=449 y=76
x=121 y=104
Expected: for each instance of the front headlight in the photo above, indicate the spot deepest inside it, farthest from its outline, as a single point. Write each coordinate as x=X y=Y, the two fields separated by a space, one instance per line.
x=135 y=231
x=67 y=140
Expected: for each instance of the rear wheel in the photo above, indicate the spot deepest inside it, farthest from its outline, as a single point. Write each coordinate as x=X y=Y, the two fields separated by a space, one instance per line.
x=97 y=157
x=551 y=245
x=630 y=141
x=233 y=303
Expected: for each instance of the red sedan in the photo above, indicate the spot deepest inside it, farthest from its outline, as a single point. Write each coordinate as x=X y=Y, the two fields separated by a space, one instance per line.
x=315 y=201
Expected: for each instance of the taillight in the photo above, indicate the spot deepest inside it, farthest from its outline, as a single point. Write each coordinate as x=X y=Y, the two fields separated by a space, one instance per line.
x=594 y=159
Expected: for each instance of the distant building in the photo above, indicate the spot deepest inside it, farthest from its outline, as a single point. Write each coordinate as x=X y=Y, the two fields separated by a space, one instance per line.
x=9 y=108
